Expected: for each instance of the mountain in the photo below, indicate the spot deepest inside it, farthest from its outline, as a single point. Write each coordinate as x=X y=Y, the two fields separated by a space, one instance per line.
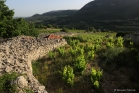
x=60 y=13
x=51 y=17
x=57 y=13
x=115 y=15
x=109 y=10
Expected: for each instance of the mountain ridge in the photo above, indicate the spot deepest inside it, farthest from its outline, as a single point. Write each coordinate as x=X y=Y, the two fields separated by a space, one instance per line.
x=110 y=9
x=115 y=15
x=57 y=13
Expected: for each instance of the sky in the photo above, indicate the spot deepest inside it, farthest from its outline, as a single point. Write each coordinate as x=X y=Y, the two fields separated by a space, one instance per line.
x=27 y=8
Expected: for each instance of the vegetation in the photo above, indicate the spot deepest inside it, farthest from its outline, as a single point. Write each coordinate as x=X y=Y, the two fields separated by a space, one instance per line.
x=10 y=27
x=5 y=83
x=68 y=75
x=109 y=16
x=91 y=61
x=87 y=62
x=95 y=77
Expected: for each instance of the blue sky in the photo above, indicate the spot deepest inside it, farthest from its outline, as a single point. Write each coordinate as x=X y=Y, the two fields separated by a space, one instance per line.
x=26 y=8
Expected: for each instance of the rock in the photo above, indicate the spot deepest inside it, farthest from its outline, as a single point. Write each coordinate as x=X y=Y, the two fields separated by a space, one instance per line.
x=8 y=69
x=16 y=54
x=134 y=37
x=21 y=82
x=41 y=89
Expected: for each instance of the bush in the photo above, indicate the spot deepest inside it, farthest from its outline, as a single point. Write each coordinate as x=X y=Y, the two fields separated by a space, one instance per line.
x=111 y=55
x=5 y=80
x=80 y=64
x=64 y=30
x=10 y=27
x=95 y=77
x=68 y=75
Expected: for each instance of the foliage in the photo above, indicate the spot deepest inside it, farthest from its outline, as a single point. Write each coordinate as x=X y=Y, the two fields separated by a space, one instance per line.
x=27 y=91
x=109 y=45
x=111 y=54
x=74 y=43
x=61 y=51
x=10 y=27
x=5 y=83
x=51 y=55
x=72 y=52
x=64 y=30
x=68 y=75
x=79 y=57
x=89 y=47
x=90 y=29
x=91 y=54
x=80 y=64
x=49 y=26
x=95 y=77
x=120 y=42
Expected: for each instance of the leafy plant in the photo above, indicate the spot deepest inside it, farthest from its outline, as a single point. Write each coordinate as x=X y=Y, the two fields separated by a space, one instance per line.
x=91 y=54
x=109 y=45
x=96 y=84
x=61 y=51
x=51 y=55
x=120 y=42
x=80 y=64
x=72 y=52
x=109 y=55
x=5 y=83
x=89 y=47
x=73 y=43
x=95 y=77
x=10 y=27
x=68 y=75
x=64 y=30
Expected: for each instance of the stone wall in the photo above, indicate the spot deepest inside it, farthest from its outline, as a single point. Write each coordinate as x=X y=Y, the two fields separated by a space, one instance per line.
x=133 y=37
x=16 y=54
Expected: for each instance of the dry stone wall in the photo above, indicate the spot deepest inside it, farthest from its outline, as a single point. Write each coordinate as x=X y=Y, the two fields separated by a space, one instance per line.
x=133 y=37
x=16 y=55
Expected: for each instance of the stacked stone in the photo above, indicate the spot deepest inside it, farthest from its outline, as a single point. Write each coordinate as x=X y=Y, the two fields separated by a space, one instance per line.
x=16 y=55
x=134 y=38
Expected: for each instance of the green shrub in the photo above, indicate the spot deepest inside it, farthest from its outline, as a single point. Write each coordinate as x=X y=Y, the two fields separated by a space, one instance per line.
x=111 y=54
x=95 y=77
x=5 y=83
x=68 y=75
x=91 y=54
x=80 y=64
x=109 y=45
x=64 y=30
x=61 y=51
x=88 y=48
x=119 y=41
x=72 y=52
x=51 y=55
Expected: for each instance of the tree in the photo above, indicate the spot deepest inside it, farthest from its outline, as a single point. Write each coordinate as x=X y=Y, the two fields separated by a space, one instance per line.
x=6 y=17
x=10 y=27
x=5 y=13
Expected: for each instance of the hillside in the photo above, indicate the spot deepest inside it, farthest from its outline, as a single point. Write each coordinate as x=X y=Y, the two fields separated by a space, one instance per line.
x=51 y=15
x=110 y=10
x=115 y=15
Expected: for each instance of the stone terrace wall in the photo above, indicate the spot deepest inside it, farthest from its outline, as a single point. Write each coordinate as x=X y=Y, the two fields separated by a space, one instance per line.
x=133 y=37
x=16 y=54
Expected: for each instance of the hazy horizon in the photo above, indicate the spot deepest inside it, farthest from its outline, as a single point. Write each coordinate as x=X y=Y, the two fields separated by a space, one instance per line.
x=25 y=8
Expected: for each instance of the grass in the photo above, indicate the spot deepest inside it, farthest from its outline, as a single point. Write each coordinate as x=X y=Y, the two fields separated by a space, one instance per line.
x=120 y=68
